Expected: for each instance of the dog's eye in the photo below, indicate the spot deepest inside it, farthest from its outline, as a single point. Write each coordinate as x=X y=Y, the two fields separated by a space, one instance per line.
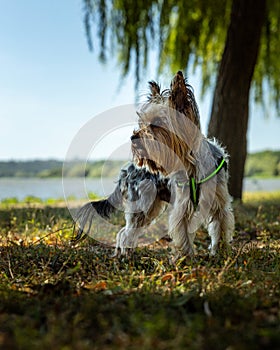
x=158 y=122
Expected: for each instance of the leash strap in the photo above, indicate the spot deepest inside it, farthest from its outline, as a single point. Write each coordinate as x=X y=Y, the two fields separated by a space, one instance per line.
x=194 y=191
x=215 y=172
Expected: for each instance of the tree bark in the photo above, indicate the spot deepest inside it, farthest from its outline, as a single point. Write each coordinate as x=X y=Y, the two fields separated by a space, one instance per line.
x=229 y=116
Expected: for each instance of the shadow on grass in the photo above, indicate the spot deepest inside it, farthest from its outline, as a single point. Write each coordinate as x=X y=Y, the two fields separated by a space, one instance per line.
x=58 y=318
x=64 y=297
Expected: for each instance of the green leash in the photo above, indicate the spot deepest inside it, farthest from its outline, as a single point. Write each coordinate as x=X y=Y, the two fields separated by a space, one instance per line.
x=194 y=186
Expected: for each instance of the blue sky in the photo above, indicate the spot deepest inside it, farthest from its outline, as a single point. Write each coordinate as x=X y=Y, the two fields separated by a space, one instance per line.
x=51 y=85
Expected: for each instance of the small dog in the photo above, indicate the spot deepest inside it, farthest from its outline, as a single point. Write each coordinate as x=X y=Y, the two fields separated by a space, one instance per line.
x=173 y=165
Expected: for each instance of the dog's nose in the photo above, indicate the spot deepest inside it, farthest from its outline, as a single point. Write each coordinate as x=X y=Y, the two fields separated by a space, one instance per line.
x=133 y=137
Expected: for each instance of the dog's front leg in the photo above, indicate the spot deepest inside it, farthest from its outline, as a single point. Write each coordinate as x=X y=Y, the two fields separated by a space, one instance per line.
x=127 y=238
x=182 y=240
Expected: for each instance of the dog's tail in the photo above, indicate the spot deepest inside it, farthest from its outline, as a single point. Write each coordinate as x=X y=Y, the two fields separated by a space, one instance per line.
x=103 y=208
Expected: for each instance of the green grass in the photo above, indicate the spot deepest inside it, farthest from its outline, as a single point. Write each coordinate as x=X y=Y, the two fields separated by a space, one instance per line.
x=56 y=296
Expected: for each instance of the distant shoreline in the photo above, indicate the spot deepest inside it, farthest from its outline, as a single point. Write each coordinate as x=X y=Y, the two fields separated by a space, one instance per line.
x=20 y=189
x=259 y=165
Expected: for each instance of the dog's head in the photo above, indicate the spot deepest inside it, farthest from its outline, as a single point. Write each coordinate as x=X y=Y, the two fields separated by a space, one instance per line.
x=169 y=128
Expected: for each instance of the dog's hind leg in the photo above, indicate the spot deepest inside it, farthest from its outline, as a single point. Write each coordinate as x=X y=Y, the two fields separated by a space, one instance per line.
x=221 y=227
x=214 y=230
x=227 y=227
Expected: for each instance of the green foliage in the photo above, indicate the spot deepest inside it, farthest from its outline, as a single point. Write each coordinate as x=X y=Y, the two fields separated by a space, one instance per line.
x=49 y=168
x=9 y=201
x=267 y=71
x=105 y=168
x=59 y=296
x=263 y=164
x=41 y=168
x=182 y=32
x=194 y=29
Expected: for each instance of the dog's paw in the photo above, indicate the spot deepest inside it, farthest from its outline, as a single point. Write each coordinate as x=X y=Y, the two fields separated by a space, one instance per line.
x=125 y=244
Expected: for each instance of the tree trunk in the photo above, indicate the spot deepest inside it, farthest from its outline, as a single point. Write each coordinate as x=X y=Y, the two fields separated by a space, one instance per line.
x=229 y=116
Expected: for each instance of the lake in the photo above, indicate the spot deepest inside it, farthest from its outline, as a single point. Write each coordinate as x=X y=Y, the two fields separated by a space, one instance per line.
x=79 y=187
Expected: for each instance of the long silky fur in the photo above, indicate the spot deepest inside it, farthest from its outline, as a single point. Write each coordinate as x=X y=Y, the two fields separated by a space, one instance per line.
x=168 y=149
x=104 y=208
x=132 y=187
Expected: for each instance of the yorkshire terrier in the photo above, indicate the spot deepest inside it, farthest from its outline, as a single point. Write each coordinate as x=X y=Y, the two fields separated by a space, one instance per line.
x=173 y=165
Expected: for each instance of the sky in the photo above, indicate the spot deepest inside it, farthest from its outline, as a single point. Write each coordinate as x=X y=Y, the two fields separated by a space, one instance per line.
x=51 y=86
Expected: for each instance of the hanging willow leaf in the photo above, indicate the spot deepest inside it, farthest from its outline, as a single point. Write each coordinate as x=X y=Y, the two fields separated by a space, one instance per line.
x=183 y=33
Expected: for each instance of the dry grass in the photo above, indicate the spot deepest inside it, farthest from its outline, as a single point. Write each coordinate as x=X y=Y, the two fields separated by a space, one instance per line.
x=57 y=296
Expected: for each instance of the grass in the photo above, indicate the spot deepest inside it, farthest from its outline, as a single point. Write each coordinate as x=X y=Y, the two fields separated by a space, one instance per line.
x=57 y=296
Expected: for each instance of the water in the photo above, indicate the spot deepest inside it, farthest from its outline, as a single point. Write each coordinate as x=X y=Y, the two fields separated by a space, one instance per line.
x=20 y=188
x=79 y=188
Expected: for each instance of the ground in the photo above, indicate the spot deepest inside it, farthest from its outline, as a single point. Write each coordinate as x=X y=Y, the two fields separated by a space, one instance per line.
x=59 y=296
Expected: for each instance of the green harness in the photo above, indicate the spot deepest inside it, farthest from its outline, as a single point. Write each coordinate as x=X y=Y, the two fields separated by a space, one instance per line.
x=194 y=185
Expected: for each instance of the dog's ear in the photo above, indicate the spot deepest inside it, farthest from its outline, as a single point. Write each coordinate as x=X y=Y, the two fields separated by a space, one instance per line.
x=182 y=98
x=178 y=98
x=154 y=90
